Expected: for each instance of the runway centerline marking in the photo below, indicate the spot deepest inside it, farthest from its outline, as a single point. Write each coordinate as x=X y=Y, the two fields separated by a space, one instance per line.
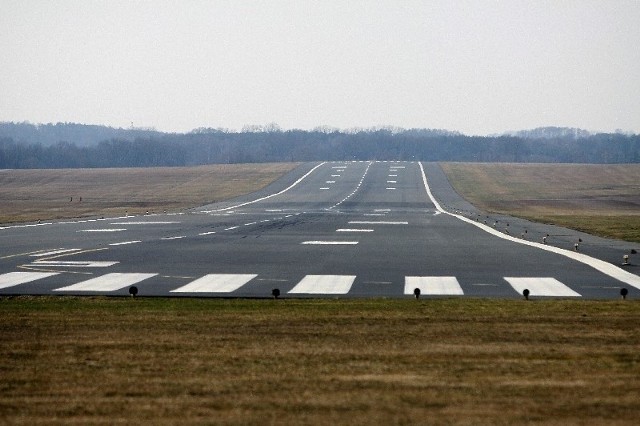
x=329 y=243
x=371 y=222
x=353 y=230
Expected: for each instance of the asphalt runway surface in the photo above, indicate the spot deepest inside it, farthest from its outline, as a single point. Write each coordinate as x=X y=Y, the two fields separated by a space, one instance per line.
x=332 y=229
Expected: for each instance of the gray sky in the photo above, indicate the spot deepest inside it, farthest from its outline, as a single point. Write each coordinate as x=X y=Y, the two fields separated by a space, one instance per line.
x=479 y=67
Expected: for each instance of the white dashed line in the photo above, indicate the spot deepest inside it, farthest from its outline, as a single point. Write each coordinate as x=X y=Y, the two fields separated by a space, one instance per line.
x=330 y=243
x=124 y=243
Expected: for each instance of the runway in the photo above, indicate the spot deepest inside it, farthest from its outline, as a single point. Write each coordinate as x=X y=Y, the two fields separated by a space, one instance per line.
x=332 y=229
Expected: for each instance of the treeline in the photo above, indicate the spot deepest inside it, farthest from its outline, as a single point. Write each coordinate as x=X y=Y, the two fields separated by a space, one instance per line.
x=215 y=146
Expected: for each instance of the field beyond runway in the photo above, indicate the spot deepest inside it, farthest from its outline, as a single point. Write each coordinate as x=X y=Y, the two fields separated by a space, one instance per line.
x=356 y=362
x=594 y=198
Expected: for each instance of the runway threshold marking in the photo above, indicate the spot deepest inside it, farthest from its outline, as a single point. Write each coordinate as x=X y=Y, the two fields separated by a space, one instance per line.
x=324 y=284
x=435 y=286
x=15 y=278
x=108 y=282
x=216 y=283
x=541 y=287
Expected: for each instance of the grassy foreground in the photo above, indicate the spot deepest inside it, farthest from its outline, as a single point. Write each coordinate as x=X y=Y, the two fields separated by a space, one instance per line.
x=30 y=195
x=594 y=198
x=434 y=361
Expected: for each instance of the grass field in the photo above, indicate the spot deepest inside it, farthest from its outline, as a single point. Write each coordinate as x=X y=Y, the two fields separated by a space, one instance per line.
x=31 y=195
x=597 y=199
x=437 y=361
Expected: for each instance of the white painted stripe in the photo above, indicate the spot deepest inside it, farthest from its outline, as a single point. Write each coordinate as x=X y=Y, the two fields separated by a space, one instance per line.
x=330 y=243
x=179 y=237
x=251 y=223
x=324 y=188
x=393 y=175
x=541 y=286
x=373 y=214
x=354 y=230
x=381 y=210
x=365 y=222
x=145 y=223
x=216 y=283
x=207 y=233
x=392 y=181
x=335 y=175
x=103 y=230
x=438 y=286
x=50 y=253
x=390 y=188
x=269 y=196
x=231 y=227
x=324 y=284
x=14 y=278
x=76 y=264
x=108 y=282
x=396 y=167
x=600 y=265
x=273 y=210
x=124 y=243
x=339 y=167
x=330 y=181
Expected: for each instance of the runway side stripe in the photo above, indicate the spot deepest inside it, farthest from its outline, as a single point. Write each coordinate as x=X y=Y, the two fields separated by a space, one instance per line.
x=600 y=265
x=108 y=282
x=15 y=278
x=324 y=284
x=437 y=286
x=541 y=287
x=216 y=283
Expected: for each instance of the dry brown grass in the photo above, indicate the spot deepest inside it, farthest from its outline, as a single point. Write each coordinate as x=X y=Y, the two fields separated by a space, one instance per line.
x=439 y=361
x=29 y=195
x=599 y=199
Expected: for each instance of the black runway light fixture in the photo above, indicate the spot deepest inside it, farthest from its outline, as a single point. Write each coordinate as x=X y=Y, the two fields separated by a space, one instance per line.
x=416 y=293
x=133 y=291
x=275 y=293
x=526 y=293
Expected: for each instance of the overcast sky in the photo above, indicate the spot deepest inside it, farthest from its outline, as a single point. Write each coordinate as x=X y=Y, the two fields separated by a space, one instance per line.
x=479 y=67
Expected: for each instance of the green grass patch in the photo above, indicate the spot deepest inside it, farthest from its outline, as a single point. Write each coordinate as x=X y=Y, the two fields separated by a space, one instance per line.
x=372 y=361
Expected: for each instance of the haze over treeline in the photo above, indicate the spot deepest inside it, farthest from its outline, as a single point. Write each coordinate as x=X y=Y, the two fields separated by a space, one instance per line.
x=70 y=145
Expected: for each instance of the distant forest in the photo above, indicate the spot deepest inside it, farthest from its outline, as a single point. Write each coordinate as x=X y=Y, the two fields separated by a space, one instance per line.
x=68 y=145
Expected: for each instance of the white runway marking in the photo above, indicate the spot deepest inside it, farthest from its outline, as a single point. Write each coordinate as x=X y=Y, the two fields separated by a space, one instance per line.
x=103 y=230
x=231 y=227
x=207 y=233
x=216 y=283
x=366 y=222
x=324 y=284
x=179 y=237
x=392 y=181
x=324 y=188
x=124 y=243
x=396 y=167
x=329 y=243
x=330 y=181
x=381 y=210
x=600 y=265
x=354 y=230
x=15 y=278
x=393 y=175
x=335 y=175
x=541 y=286
x=437 y=286
x=108 y=282
x=391 y=189
x=145 y=223
x=252 y=223
x=50 y=253
x=75 y=264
